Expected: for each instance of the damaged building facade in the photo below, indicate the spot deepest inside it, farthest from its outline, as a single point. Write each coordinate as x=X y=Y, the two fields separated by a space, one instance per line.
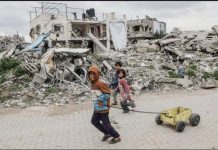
x=140 y=29
x=6 y=42
x=71 y=27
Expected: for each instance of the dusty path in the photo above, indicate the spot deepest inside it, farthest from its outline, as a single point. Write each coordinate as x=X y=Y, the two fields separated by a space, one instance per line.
x=69 y=126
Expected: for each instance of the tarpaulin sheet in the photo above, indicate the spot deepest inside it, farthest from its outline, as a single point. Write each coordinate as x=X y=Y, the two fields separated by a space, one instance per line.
x=118 y=34
x=156 y=27
x=36 y=43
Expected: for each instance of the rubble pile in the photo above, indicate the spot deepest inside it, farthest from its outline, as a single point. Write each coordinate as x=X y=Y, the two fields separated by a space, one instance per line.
x=180 y=60
x=151 y=64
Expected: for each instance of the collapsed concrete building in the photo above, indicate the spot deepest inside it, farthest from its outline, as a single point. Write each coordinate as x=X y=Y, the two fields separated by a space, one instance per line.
x=140 y=29
x=72 y=27
x=6 y=42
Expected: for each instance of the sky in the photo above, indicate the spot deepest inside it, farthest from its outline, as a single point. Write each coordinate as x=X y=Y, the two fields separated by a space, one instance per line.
x=185 y=15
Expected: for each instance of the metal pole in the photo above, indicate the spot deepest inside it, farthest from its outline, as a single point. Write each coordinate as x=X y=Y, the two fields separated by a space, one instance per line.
x=30 y=15
x=66 y=10
x=35 y=12
x=42 y=7
x=108 y=31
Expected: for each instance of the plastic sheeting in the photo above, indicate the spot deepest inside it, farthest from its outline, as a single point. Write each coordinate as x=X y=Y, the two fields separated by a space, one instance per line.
x=156 y=27
x=36 y=43
x=118 y=34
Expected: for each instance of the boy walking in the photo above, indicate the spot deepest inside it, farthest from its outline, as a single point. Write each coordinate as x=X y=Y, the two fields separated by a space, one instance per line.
x=101 y=100
x=114 y=83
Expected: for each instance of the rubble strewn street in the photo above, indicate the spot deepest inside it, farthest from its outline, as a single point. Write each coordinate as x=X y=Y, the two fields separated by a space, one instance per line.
x=52 y=69
x=59 y=75
x=108 y=75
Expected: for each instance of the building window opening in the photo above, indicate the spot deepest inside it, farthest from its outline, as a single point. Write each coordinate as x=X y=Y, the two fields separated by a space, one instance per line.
x=58 y=28
x=136 y=28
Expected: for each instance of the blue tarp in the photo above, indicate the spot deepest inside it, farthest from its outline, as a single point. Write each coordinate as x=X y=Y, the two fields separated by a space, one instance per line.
x=36 y=43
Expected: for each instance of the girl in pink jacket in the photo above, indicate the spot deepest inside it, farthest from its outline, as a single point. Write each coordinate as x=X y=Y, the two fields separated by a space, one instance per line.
x=124 y=91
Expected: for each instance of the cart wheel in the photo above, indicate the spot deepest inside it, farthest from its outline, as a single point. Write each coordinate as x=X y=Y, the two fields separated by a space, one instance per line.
x=158 y=121
x=180 y=126
x=194 y=119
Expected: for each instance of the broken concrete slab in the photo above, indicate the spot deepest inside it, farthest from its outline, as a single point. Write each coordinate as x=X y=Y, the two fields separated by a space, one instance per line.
x=209 y=83
x=107 y=65
x=78 y=62
x=10 y=52
x=184 y=82
x=174 y=50
x=96 y=41
x=210 y=50
x=215 y=28
x=154 y=48
x=165 y=80
x=38 y=78
x=142 y=47
x=2 y=54
x=168 y=66
x=71 y=51
x=30 y=68
x=168 y=41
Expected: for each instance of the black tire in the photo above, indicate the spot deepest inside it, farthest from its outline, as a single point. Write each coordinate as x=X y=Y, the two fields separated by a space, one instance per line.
x=194 y=119
x=158 y=121
x=180 y=126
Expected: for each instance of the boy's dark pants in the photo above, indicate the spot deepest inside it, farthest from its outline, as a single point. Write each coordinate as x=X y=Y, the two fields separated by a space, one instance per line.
x=104 y=126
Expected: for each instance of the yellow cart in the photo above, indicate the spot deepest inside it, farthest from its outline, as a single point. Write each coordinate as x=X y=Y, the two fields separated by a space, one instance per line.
x=177 y=117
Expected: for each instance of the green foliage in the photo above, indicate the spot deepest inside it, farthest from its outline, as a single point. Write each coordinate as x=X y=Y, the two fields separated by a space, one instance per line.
x=191 y=73
x=193 y=66
x=172 y=74
x=2 y=50
x=207 y=75
x=3 y=78
x=19 y=71
x=158 y=35
x=51 y=90
x=3 y=99
x=10 y=65
x=215 y=75
x=151 y=67
x=7 y=64
x=14 y=87
x=27 y=78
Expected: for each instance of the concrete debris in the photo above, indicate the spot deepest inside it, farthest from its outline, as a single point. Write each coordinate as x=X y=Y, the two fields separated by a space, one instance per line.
x=168 y=41
x=210 y=83
x=154 y=48
x=30 y=68
x=168 y=66
x=39 y=78
x=180 y=60
x=215 y=28
x=174 y=50
x=142 y=47
x=96 y=41
x=184 y=82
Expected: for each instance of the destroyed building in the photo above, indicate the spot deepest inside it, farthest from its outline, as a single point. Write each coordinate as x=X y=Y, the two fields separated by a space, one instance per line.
x=140 y=29
x=59 y=74
x=6 y=42
x=71 y=27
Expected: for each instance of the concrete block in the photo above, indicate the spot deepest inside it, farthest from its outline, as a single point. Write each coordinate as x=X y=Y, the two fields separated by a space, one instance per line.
x=38 y=78
x=78 y=62
x=107 y=64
